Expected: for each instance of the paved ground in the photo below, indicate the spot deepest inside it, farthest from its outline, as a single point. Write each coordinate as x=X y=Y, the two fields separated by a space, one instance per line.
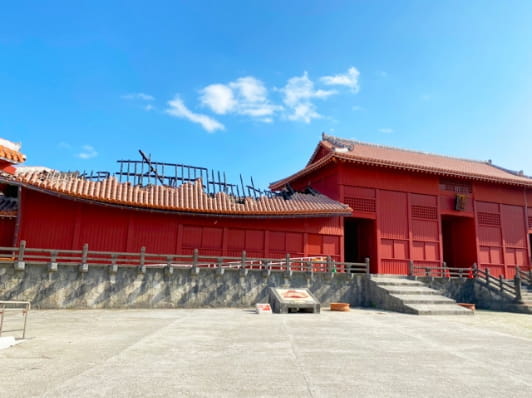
x=236 y=353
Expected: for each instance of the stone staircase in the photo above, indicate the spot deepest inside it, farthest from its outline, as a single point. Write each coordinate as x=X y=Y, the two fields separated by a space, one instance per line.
x=526 y=297
x=397 y=293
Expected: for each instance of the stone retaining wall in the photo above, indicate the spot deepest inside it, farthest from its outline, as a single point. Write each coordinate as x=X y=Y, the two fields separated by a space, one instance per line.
x=157 y=288
x=465 y=290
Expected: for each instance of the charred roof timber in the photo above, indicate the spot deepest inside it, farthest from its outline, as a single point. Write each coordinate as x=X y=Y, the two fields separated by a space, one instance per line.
x=146 y=172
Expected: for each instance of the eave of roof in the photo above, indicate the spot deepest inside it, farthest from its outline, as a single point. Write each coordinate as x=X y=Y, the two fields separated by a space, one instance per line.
x=10 y=155
x=185 y=199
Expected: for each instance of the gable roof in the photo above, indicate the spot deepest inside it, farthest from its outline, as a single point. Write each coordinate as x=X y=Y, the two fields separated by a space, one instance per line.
x=383 y=156
x=186 y=198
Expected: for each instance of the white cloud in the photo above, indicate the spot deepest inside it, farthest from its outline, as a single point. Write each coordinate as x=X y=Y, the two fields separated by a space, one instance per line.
x=219 y=98
x=88 y=152
x=178 y=109
x=149 y=107
x=138 y=96
x=386 y=130
x=244 y=96
x=349 y=79
x=298 y=93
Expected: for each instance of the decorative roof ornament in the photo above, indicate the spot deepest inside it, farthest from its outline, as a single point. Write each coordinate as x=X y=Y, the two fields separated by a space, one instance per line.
x=338 y=142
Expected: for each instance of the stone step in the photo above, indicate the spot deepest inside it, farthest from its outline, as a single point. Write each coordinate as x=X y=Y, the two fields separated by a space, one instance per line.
x=423 y=299
x=439 y=309
x=397 y=282
x=410 y=290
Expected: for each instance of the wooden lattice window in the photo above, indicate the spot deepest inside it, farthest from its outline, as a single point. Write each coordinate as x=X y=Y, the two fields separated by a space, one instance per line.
x=425 y=212
x=489 y=218
x=362 y=204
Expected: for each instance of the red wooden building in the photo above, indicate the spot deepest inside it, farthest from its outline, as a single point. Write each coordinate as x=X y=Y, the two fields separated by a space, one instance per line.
x=50 y=209
x=427 y=208
x=388 y=204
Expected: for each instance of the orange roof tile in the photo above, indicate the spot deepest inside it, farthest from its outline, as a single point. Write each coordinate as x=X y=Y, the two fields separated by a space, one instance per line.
x=377 y=155
x=11 y=155
x=188 y=197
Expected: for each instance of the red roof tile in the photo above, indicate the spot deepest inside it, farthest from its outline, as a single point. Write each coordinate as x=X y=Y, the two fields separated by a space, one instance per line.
x=11 y=155
x=189 y=197
x=376 y=155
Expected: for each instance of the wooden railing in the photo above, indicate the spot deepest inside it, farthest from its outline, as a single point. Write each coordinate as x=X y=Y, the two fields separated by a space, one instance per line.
x=439 y=272
x=498 y=284
x=85 y=258
x=526 y=276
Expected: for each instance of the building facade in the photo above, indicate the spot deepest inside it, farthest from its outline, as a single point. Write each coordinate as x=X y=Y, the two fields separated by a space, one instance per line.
x=352 y=201
x=422 y=207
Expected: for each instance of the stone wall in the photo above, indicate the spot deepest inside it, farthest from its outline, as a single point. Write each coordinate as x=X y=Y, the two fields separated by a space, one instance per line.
x=465 y=290
x=157 y=288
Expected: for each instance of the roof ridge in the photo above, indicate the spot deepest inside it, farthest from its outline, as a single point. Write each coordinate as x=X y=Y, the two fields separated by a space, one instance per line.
x=485 y=162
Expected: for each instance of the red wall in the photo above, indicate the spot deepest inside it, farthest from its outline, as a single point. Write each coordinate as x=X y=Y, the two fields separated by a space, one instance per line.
x=408 y=208
x=53 y=222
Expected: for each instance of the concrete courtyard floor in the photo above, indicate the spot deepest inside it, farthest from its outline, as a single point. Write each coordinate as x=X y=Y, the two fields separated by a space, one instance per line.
x=236 y=353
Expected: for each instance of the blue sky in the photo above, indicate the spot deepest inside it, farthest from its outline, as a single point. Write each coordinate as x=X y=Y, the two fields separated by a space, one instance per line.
x=249 y=86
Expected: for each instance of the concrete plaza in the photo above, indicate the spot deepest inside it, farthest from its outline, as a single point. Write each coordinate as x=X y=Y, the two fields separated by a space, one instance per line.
x=236 y=353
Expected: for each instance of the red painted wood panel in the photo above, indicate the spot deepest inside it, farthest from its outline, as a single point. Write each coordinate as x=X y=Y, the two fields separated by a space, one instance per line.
x=314 y=244
x=47 y=222
x=331 y=245
x=212 y=238
x=294 y=243
x=191 y=236
x=254 y=241
x=513 y=225
x=425 y=230
x=154 y=232
x=278 y=242
x=104 y=228
x=489 y=235
x=393 y=215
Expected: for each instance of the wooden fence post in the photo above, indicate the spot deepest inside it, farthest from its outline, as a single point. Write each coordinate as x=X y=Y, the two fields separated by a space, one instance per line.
x=113 y=268
x=366 y=261
x=21 y=250
x=195 y=255
x=243 y=259
x=219 y=264
x=52 y=265
x=20 y=265
x=84 y=266
x=517 y=283
x=142 y=266
x=169 y=269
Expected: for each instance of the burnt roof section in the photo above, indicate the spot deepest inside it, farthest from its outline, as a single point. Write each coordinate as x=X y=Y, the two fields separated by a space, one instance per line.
x=189 y=197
